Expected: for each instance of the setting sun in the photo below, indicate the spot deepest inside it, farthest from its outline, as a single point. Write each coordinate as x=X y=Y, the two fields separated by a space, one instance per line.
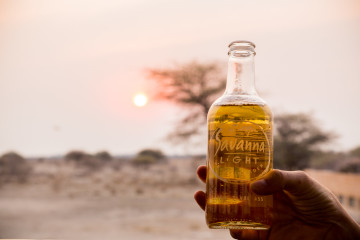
x=140 y=100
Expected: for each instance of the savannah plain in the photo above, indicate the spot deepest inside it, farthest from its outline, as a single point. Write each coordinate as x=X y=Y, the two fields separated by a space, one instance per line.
x=115 y=200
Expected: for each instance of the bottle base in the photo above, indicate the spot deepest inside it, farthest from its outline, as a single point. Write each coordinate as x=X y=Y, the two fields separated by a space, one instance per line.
x=239 y=225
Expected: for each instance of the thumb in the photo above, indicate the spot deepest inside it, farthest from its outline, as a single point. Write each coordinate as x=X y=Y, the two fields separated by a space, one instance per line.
x=295 y=182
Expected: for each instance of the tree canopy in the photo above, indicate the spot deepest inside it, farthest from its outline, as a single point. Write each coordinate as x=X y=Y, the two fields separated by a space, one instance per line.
x=194 y=86
x=297 y=138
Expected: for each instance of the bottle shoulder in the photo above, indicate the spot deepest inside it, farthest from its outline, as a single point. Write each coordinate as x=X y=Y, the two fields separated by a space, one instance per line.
x=242 y=107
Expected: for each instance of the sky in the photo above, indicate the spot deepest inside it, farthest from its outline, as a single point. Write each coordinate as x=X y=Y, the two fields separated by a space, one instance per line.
x=69 y=69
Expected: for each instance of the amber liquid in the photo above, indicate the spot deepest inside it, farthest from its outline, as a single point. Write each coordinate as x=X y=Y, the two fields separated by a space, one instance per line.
x=239 y=152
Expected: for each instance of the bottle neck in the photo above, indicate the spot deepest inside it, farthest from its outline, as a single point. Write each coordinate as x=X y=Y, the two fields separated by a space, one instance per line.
x=241 y=75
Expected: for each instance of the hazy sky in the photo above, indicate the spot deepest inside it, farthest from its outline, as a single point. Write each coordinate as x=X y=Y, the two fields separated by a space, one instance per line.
x=69 y=69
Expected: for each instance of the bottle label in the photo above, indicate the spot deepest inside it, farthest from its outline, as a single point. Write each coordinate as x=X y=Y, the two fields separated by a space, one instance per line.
x=239 y=151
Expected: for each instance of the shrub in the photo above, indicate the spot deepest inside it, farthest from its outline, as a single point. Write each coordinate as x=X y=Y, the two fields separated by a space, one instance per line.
x=104 y=156
x=75 y=156
x=84 y=160
x=13 y=167
x=149 y=156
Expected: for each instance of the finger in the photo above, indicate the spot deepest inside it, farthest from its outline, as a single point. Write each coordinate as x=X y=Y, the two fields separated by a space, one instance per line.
x=249 y=234
x=200 y=198
x=295 y=182
x=201 y=172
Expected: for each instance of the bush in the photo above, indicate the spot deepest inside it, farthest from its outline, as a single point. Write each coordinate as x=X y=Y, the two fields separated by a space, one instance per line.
x=355 y=152
x=148 y=157
x=75 y=156
x=104 y=156
x=13 y=167
x=350 y=168
x=84 y=160
x=349 y=165
x=144 y=160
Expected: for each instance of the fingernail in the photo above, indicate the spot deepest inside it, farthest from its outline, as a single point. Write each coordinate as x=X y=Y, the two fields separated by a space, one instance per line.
x=259 y=185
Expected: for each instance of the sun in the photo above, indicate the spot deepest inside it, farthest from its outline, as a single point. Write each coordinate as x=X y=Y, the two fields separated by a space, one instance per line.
x=140 y=100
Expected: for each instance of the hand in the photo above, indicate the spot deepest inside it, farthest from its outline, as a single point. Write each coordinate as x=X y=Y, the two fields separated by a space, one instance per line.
x=303 y=209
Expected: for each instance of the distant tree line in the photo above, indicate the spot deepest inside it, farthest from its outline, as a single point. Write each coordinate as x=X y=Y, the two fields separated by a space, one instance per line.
x=145 y=157
x=16 y=168
x=89 y=161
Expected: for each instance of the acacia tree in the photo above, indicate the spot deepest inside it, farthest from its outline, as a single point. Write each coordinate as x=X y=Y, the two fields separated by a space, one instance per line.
x=297 y=138
x=194 y=86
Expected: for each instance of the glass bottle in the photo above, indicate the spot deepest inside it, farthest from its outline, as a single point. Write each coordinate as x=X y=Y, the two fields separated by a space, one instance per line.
x=240 y=148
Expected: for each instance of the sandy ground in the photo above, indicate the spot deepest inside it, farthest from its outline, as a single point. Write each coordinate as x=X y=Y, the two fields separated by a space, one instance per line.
x=60 y=201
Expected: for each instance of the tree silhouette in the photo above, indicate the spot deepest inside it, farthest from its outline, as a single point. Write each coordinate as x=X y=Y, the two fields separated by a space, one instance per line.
x=297 y=138
x=194 y=86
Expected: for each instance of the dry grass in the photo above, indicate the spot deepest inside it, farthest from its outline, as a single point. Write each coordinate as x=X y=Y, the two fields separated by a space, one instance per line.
x=61 y=200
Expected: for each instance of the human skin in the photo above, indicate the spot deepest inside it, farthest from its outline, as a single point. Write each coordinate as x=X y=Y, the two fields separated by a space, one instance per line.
x=303 y=209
